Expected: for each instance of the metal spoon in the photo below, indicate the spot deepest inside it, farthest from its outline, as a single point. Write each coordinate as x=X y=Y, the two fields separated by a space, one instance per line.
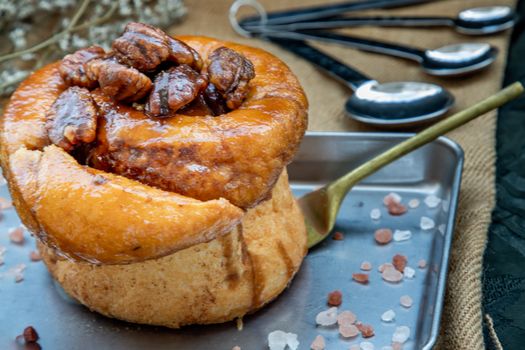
x=320 y=207
x=473 y=21
x=449 y=60
x=316 y=12
x=386 y=104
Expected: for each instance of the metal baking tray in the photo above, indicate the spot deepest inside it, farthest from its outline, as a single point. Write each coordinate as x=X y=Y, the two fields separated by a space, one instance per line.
x=433 y=169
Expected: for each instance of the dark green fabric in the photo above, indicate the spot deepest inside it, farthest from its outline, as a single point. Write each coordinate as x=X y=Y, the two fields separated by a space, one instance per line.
x=504 y=261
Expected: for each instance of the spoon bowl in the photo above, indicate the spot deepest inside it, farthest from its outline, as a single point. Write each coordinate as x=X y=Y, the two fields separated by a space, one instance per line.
x=320 y=207
x=458 y=59
x=399 y=104
x=485 y=20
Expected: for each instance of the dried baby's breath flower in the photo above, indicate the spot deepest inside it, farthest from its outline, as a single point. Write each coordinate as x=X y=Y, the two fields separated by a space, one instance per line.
x=35 y=32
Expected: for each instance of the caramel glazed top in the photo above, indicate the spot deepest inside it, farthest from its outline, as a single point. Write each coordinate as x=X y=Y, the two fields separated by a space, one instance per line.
x=191 y=116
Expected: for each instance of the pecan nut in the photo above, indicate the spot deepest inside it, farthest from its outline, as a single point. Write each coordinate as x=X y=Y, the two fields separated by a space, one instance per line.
x=230 y=72
x=72 y=68
x=214 y=100
x=173 y=89
x=145 y=47
x=72 y=119
x=182 y=53
x=121 y=82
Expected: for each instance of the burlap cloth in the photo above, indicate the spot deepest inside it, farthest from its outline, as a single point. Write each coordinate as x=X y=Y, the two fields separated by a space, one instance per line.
x=462 y=317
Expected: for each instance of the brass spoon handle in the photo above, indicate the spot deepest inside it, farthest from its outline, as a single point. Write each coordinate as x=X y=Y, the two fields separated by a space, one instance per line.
x=342 y=185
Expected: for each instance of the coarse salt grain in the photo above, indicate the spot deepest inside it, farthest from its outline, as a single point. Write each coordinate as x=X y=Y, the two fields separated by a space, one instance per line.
x=388 y=316
x=279 y=340
x=16 y=235
x=5 y=203
x=366 y=266
x=397 y=346
x=391 y=198
x=327 y=317
x=382 y=267
x=383 y=236
x=390 y=274
x=402 y=235
x=396 y=209
x=19 y=277
x=401 y=334
x=236 y=348
x=366 y=345
x=432 y=201
x=335 y=298
x=409 y=272
x=360 y=278
x=414 y=203
x=375 y=214
x=442 y=228
x=318 y=343
x=445 y=205
x=346 y=318
x=406 y=301
x=348 y=331
x=338 y=236
x=355 y=347
x=426 y=223
x=366 y=330
x=399 y=261
x=35 y=256
x=422 y=264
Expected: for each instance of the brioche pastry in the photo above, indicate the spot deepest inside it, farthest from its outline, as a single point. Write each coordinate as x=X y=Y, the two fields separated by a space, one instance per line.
x=154 y=176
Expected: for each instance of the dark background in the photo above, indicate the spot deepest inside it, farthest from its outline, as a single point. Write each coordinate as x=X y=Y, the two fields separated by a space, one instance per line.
x=504 y=264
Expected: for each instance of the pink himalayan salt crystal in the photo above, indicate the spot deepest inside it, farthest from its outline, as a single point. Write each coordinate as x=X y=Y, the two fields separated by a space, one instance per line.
x=327 y=317
x=406 y=301
x=382 y=267
x=366 y=330
x=397 y=346
x=346 y=318
x=18 y=272
x=335 y=298
x=391 y=198
x=360 y=278
x=16 y=235
x=401 y=334
x=383 y=236
x=5 y=203
x=35 y=256
x=318 y=343
x=390 y=274
x=396 y=209
x=422 y=264
x=348 y=331
x=366 y=266
x=413 y=203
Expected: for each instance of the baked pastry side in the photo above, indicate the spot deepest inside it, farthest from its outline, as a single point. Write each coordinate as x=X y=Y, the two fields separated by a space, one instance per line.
x=211 y=282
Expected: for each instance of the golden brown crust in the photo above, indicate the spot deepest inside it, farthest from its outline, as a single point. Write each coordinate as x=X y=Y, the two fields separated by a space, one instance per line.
x=206 y=283
x=105 y=218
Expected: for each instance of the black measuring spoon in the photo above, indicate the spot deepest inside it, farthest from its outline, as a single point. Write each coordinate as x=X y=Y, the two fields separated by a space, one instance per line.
x=392 y=104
